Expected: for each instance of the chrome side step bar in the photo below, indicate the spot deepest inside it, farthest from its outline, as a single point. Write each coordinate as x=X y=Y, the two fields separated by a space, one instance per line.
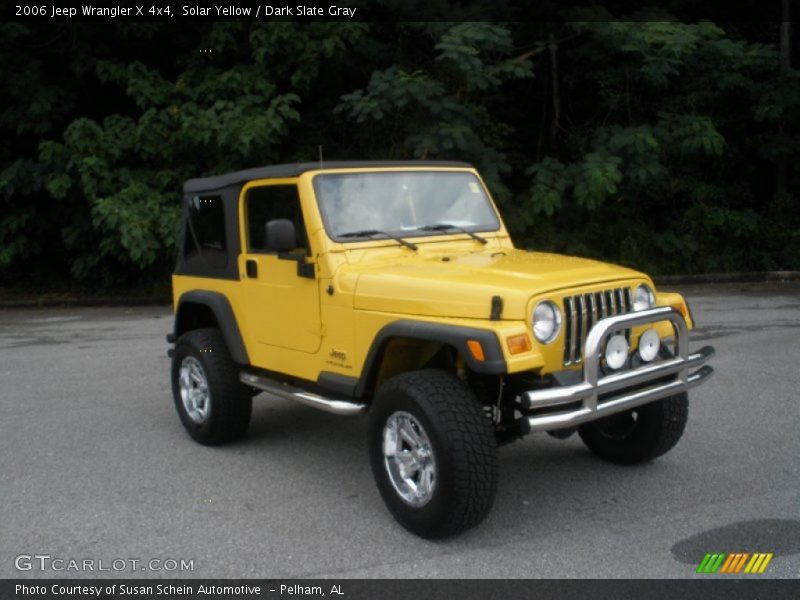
x=289 y=392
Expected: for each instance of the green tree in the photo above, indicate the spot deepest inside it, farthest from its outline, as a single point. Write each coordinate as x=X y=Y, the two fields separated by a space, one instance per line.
x=226 y=101
x=436 y=99
x=667 y=145
x=663 y=164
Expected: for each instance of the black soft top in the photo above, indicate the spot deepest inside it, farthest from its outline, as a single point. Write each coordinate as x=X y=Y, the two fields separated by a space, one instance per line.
x=204 y=184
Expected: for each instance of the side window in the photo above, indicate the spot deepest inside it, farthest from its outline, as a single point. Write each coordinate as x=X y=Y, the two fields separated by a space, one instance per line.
x=263 y=204
x=205 y=232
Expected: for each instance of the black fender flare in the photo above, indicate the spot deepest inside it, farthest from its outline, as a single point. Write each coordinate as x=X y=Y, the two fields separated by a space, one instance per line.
x=456 y=336
x=221 y=308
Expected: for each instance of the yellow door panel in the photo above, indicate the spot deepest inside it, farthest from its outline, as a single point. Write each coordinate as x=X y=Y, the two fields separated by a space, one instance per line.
x=282 y=308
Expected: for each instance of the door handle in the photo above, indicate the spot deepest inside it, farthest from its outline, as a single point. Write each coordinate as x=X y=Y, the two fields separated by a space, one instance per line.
x=251 y=266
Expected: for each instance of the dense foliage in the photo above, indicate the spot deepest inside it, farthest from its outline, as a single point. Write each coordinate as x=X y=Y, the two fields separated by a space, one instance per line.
x=668 y=146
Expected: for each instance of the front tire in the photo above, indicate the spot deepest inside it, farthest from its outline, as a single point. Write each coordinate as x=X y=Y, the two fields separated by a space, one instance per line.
x=212 y=404
x=433 y=453
x=638 y=435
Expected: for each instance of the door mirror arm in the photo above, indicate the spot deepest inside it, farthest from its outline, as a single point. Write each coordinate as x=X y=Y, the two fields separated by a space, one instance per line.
x=304 y=269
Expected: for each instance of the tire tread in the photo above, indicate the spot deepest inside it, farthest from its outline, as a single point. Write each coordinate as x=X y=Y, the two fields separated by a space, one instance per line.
x=472 y=445
x=664 y=424
x=231 y=401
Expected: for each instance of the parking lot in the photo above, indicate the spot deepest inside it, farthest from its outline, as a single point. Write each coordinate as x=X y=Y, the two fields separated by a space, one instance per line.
x=95 y=465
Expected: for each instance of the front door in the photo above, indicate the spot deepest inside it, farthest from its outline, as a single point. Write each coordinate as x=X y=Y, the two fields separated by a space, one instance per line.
x=281 y=297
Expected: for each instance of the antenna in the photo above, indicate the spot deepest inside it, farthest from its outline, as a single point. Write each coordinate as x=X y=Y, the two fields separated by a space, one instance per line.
x=319 y=148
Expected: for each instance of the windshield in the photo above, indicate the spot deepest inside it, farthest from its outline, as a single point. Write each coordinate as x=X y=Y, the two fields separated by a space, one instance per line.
x=406 y=203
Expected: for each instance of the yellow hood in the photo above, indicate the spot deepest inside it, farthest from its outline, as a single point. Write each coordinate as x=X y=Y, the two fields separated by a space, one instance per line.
x=462 y=284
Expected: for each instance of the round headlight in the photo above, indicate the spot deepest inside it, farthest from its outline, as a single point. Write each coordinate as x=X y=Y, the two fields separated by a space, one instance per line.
x=643 y=298
x=616 y=351
x=546 y=321
x=649 y=344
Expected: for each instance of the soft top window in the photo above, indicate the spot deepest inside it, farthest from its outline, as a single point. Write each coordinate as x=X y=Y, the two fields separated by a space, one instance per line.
x=204 y=240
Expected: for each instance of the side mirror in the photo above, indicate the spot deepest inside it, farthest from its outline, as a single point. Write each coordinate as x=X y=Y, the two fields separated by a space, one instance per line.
x=280 y=235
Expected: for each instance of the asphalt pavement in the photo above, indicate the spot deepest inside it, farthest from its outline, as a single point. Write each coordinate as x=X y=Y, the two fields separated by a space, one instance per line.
x=94 y=465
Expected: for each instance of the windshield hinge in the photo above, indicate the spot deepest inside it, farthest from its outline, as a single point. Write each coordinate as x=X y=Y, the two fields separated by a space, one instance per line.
x=497 y=308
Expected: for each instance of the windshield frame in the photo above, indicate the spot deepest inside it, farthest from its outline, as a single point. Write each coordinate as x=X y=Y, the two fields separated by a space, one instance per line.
x=410 y=233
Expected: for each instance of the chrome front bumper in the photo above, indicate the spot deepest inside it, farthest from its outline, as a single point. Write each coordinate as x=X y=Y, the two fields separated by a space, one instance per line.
x=582 y=402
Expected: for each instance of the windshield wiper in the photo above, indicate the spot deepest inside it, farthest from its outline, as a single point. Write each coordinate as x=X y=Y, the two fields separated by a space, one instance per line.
x=373 y=232
x=448 y=226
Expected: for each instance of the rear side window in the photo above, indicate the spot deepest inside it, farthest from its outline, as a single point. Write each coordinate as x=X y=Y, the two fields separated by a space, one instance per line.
x=263 y=204
x=205 y=232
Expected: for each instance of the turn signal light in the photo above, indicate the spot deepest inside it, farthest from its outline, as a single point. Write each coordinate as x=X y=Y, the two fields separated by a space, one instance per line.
x=476 y=350
x=517 y=344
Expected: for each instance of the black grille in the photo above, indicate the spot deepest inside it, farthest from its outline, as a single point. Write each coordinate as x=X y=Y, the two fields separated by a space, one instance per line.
x=582 y=311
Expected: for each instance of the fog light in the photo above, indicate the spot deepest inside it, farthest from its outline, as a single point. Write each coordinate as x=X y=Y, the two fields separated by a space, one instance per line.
x=649 y=345
x=616 y=351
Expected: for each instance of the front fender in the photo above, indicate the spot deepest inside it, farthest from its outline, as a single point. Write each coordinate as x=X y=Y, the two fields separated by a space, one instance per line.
x=455 y=336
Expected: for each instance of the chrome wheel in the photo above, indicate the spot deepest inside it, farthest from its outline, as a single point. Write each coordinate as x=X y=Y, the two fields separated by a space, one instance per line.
x=193 y=386
x=409 y=460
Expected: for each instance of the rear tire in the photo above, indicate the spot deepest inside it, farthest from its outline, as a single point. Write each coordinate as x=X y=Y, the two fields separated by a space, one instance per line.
x=638 y=435
x=213 y=405
x=433 y=453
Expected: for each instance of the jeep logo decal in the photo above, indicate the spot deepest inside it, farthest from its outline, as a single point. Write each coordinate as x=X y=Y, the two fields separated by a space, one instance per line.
x=338 y=355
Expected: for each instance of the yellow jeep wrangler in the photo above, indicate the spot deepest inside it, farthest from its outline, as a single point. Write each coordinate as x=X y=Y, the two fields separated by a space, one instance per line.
x=393 y=288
